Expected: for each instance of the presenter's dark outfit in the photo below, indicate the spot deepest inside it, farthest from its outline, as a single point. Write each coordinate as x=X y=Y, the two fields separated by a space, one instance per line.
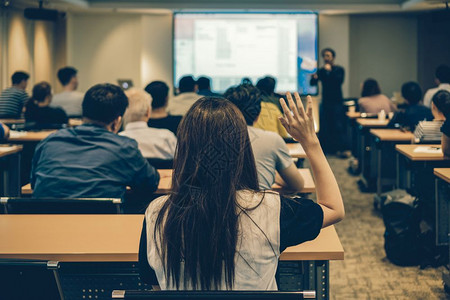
x=332 y=112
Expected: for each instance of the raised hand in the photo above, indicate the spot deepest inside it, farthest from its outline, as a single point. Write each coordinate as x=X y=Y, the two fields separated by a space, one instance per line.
x=298 y=123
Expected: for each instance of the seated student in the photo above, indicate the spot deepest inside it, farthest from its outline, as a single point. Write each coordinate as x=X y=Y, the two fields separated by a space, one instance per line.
x=271 y=152
x=13 y=99
x=372 y=101
x=442 y=79
x=414 y=111
x=443 y=97
x=431 y=130
x=153 y=142
x=204 y=87
x=217 y=230
x=70 y=99
x=267 y=87
x=38 y=108
x=91 y=160
x=187 y=88
x=159 y=118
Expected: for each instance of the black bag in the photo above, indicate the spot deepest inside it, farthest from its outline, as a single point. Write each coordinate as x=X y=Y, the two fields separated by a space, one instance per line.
x=401 y=238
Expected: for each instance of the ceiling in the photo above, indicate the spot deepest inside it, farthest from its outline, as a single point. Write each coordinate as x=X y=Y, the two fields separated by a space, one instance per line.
x=166 y=6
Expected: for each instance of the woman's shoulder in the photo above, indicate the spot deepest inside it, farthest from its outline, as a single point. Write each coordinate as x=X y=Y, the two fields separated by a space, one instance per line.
x=155 y=206
x=249 y=199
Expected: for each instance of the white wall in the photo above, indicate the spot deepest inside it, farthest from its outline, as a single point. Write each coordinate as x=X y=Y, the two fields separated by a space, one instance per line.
x=384 y=48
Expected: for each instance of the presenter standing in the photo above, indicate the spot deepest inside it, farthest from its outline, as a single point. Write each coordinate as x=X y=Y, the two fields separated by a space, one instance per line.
x=332 y=112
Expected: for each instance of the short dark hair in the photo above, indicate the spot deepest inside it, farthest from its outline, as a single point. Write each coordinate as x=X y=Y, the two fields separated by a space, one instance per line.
x=204 y=83
x=19 y=76
x=412 y=92
x=329 y=50
x=104 y=103
x=40 y=91
x=370 y=88
x=65 y=74
x=186 y=84
x=266 y=85
x=248 y=99
x=442 y=102
x=159 y=91
x=443 y=73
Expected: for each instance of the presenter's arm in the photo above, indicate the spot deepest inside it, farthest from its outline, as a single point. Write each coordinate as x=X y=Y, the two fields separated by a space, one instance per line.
x=300 y=125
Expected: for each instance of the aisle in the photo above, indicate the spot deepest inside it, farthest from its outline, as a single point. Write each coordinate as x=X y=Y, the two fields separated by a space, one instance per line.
x=366 y=273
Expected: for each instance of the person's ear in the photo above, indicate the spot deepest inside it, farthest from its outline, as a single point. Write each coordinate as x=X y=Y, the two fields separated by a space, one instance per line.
x=116 y=124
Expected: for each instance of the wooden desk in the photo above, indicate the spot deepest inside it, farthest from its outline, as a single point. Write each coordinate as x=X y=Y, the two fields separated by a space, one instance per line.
x=309 y=186
x=443 y=173
x=29 y=136
x=408 y=151
x=353 y=115
x=10 y=170
x=296 y=150
x=365 y=122
x=75 y=122
x=382 y=160
x=164 y=185
x=12 y=121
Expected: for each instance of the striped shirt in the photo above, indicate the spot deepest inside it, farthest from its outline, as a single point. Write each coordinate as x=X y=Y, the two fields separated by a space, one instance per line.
x=12 y=101
x=428 y=131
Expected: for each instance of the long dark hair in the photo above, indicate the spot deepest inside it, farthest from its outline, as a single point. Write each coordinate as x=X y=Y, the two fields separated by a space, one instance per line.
x=198 y=224
x=370 y=88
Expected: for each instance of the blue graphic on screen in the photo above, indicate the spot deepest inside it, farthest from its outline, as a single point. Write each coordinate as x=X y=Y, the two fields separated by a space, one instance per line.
x=228 y=47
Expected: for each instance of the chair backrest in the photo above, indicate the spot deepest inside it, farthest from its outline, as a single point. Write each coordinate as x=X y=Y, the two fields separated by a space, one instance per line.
x=158 y=163
x=235 y=295
x=29 y=279
x=61 y=205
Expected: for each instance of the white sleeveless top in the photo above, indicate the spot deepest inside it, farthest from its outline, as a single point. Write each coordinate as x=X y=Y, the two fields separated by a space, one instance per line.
x=261 y=252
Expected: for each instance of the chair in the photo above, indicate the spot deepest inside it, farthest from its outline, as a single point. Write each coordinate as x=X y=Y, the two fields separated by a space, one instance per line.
x=29 y=279
x=235 y=295
x=159 y=163
x=61 y=205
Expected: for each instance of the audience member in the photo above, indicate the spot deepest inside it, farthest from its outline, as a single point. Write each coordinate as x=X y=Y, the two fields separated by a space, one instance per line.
x=13 y=99
x=153 y=142
x=442 y=79
x=38 y=108
x=204 y=87
x=427 y=131
x=181 y=103
x=414 y=111
x=267 y=87
x=91 y=160
x=271 y=152
x=159 y=118
x=70 y=100
x=442 y=101
x=372 y=101
x=216 y=230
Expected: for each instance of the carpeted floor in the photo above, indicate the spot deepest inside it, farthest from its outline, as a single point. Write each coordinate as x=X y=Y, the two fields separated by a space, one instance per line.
x=366 y=273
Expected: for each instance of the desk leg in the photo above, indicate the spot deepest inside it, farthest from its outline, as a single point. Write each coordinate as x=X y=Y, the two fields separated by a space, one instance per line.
x=379 y=187
x=319 y=278
x=11 y=177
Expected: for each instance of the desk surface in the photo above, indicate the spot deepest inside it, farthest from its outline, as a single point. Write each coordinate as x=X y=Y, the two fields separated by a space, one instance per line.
x=443 y=173
x=111 y=238
x=75 y=122
x=408 y=151
x=6 y=150
x=353 y=115
x=165 y=182
x=29 y=136
x=364 y=122
x=392 y=135
x=12 y=121
x=296 y=150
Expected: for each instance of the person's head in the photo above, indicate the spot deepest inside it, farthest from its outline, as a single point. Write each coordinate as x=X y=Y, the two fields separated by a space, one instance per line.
x=42 y=93
x=328 y=55
x=105 y=104
x=138 y=106
x=370 y=88
x=159 y=92
x=247 y=81
x=68 y=77
x=266 y=85
x=20 y=79
x=443 y=74
x=248 y=99
x=213 y=160
x=204 y=83
x=187 y=84
x=412 y=92
x=440 y=105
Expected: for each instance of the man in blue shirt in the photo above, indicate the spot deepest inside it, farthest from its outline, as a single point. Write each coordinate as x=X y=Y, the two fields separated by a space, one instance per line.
x=91 y=160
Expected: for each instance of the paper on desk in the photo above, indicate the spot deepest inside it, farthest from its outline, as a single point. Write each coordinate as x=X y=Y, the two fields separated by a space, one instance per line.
x=428 y=149
x=16 y=134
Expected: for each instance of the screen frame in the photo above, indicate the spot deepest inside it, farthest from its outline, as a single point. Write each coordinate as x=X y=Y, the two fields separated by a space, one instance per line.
x=175 y=84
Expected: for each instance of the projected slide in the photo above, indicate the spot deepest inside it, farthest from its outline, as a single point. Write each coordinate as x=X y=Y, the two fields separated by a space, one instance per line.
x=229 y=47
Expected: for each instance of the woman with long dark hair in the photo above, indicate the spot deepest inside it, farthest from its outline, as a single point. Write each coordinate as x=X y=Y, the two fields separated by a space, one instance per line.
x=372 y=101
x=216 y=230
